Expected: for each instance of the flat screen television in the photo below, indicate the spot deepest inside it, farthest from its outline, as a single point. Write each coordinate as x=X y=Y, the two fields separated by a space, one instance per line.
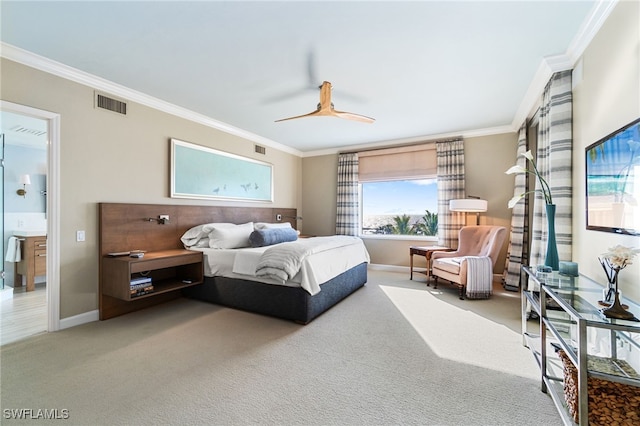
x=613 y=181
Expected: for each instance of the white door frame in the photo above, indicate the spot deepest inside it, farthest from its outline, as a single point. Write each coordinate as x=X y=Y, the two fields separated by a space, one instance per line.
x=53 y=206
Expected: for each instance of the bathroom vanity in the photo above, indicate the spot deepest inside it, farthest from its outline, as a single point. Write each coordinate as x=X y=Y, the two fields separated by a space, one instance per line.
x=33 y=262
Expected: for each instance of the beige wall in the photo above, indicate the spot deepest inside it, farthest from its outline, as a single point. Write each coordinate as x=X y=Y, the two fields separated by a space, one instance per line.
x=486 y=160
x=319 y=180
x=105 y=157
x=606 y=98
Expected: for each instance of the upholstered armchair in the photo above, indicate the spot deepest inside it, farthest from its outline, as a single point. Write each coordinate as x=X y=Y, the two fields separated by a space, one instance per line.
x=474 y=260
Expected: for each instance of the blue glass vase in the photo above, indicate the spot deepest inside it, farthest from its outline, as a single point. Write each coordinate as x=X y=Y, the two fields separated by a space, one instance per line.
x=551 y=259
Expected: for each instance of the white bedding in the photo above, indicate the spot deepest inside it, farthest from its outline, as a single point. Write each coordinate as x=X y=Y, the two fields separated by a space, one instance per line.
x=323 y=259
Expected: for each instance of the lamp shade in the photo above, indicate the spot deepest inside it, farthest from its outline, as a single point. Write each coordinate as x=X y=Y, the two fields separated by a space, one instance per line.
x=25 y=180
x=468 y=205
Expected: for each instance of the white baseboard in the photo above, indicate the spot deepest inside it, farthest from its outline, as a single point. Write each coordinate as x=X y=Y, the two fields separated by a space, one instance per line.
x=392 y=268
x=406 y=269
x=79 y=319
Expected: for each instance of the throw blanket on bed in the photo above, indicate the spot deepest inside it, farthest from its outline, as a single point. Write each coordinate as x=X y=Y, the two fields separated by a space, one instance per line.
x=283 y=261
x=479 y=277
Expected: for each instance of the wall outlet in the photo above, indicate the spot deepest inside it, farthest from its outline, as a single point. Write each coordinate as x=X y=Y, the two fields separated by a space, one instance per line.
x=20 y=223
x=80 y=236
x=278 y=217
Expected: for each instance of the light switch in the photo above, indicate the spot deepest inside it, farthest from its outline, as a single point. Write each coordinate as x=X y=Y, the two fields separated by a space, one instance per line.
x=79 y=236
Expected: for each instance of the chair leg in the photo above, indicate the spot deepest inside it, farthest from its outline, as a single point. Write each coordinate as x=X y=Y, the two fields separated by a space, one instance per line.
x=462 y=292
x=435 y=281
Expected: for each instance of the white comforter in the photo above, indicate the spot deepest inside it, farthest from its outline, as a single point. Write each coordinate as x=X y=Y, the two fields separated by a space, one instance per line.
x=283 y=261
x=306 y=263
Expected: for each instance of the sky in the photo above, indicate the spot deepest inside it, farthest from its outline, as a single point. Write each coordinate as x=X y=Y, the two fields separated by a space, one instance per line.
x=400 y=197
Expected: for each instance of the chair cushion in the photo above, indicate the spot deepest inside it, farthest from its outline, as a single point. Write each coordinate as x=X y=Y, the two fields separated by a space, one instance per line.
x=448 y=264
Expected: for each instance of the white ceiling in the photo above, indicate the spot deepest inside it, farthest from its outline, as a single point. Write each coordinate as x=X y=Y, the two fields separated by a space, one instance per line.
x=420 y=68
x=23 y=130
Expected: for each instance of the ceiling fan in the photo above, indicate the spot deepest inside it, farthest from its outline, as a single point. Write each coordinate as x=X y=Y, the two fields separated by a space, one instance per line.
x=325 y=108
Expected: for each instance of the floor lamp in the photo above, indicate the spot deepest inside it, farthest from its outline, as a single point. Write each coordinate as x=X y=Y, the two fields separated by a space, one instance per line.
x=469 y=205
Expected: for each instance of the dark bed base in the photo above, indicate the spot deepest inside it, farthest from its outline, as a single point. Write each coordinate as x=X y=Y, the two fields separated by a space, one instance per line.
x=291 y=303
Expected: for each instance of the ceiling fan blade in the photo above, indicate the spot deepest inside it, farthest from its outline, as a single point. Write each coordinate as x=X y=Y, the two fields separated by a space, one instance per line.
x=333 y=113
x=312 y=83
x=286 y=96
x=300 y=116
x=355 y=117
x=312 y=79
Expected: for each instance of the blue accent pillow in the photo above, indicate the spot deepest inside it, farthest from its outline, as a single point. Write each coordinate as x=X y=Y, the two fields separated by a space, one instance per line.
x=271 y=236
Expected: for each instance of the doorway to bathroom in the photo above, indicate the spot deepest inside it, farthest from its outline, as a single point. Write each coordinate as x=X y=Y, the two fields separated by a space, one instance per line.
x=29 y=292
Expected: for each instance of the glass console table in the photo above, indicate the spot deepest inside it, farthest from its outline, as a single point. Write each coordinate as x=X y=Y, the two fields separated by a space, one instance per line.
x=571 y=320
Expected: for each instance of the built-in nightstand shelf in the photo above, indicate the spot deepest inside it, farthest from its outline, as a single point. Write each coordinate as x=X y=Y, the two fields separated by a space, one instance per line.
x=169 y=270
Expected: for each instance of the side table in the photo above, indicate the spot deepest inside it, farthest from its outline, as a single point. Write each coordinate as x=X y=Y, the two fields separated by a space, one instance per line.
x=426 y=252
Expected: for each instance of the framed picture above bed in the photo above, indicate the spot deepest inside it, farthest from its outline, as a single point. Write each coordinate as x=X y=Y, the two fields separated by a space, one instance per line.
x=200 y=172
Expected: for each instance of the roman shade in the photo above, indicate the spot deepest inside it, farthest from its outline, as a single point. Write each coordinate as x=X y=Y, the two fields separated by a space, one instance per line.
x=406 y=162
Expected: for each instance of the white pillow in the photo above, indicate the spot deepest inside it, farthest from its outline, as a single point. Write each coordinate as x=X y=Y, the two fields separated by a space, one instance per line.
x=230 y=237
x=265 y=225
x=198 y=236
x=203 y=243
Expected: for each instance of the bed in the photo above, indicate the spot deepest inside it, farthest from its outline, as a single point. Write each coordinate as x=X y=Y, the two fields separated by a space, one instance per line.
x=296 y=279
x=128 y=226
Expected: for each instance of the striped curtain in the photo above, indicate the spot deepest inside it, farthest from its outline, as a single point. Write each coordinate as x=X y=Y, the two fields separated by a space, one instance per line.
x=518 y=251
x=347 y=208
x=450 y=158
x=554 y=164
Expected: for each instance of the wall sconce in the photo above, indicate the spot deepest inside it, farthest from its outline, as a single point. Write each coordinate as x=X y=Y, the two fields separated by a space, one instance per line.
x=162 y=219
x=24 y=181
x=469 y=205
x=279 y=217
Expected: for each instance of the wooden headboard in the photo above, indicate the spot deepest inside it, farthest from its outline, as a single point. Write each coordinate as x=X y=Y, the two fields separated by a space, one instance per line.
x=126 y=227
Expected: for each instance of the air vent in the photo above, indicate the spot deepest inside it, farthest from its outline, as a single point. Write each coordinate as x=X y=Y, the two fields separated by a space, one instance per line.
x=27 y=131
x=111 y=104
x=261 y=149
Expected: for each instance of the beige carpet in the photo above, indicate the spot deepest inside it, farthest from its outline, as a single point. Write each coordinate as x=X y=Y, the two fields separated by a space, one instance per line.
x=395 y=352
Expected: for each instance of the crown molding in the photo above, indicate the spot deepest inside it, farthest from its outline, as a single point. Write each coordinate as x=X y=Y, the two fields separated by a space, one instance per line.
x=531 y=99
x=417 y=139
x=589 y=28
x=41 y=63
x=552 y=64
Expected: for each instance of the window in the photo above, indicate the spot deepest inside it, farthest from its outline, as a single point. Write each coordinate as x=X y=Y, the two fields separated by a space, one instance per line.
x=399 y=190
x=400 y=207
